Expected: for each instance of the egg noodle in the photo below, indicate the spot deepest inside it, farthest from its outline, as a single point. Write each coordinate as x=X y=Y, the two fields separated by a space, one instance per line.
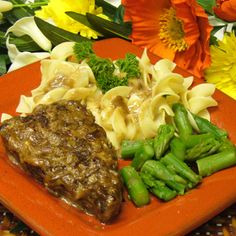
x=125 y=112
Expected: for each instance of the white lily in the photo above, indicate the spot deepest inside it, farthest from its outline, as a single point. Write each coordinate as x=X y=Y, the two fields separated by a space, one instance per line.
x=5 y=6
x=27 y=25
x=20 y=59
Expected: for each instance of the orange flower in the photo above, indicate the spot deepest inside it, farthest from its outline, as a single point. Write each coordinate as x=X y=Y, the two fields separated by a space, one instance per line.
x=174 y=29
x=225 y=9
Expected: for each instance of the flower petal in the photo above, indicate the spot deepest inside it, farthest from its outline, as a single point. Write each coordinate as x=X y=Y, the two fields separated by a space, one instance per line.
x=5 y=6
x=145 y=26
x=20 y=59
x=197 y=34
x=26 y=58
x=55 y=10
x=26 y=25
x=223 y=70
x=226 y=10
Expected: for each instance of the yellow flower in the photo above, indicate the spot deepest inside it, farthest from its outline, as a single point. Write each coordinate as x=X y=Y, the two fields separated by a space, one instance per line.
x=55 y=11
x=222 y=71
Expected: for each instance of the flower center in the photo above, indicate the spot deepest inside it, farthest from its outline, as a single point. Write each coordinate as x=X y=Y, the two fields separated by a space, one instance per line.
x=171 y=31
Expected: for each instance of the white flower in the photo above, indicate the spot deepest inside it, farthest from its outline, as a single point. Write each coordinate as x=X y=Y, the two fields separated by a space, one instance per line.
x=27 y=25
x=226 y=26
x=5 y=6
x=20 y=59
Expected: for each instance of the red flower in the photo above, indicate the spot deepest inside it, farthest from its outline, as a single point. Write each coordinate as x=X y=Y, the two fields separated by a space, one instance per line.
x=174 y=29
x=226 y=9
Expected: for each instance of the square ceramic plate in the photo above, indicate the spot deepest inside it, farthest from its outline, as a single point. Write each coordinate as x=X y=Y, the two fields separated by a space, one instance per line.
x=51 y=216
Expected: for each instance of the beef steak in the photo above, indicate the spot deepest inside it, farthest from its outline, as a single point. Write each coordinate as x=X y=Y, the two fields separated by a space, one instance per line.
x=62 y=147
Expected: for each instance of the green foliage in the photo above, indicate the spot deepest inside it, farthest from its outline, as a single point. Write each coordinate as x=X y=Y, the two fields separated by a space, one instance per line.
x=24 y=43
x=83 y=50
x=109 y=28
x=18 y=12
x=3 y=63
x=105 y=27
x=129 y=65
x=57 y=35
x=207 y=5
x=104 y=68
x=119 y=15
x=108 y=9
x=115 y=27
x=80 y=18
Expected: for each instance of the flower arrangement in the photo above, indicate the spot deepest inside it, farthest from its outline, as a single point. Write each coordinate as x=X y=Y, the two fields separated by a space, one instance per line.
x=198 y=35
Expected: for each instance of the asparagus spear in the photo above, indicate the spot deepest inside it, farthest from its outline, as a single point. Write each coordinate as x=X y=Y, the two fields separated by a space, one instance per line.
x=128 y=147
x=206 y=126
x=196 y=139
x=225 y=144
x=178 y=178
x=162 y=140
x=157 y=187
x=159 y=171
x=177 y=147
x=205 y=148
x=181 y=120
x=145 y=152
x=181 y=168
x=136 y=188
x=209 y=165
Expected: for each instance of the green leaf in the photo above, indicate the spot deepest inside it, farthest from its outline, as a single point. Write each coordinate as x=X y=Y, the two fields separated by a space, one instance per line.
x=108 y=9
x=119 y=15
x=3 y=63
x=57 y=35
x=25 y=43
x=2 y=40
x=213 y=40
x=215 y=29
x=80 y=18
x=207 y=5
x=18 y=12
x=108 y=28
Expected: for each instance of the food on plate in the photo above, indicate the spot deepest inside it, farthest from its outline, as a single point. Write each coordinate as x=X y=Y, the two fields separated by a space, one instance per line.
x=164 y=163
x=137 y=190
x=130 y=97
x=148 y=113
x=61 y=146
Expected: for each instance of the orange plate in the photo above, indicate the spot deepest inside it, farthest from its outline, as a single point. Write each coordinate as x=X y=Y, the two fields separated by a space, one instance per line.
x=50 y=216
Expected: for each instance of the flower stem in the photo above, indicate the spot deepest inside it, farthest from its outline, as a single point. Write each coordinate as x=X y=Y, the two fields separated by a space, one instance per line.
x=31 y=5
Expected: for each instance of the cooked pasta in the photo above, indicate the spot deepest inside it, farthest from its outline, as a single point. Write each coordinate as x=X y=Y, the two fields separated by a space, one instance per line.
x=125 y=112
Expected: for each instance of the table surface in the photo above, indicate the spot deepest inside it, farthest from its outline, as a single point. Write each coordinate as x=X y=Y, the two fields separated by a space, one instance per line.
x=223 y=224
